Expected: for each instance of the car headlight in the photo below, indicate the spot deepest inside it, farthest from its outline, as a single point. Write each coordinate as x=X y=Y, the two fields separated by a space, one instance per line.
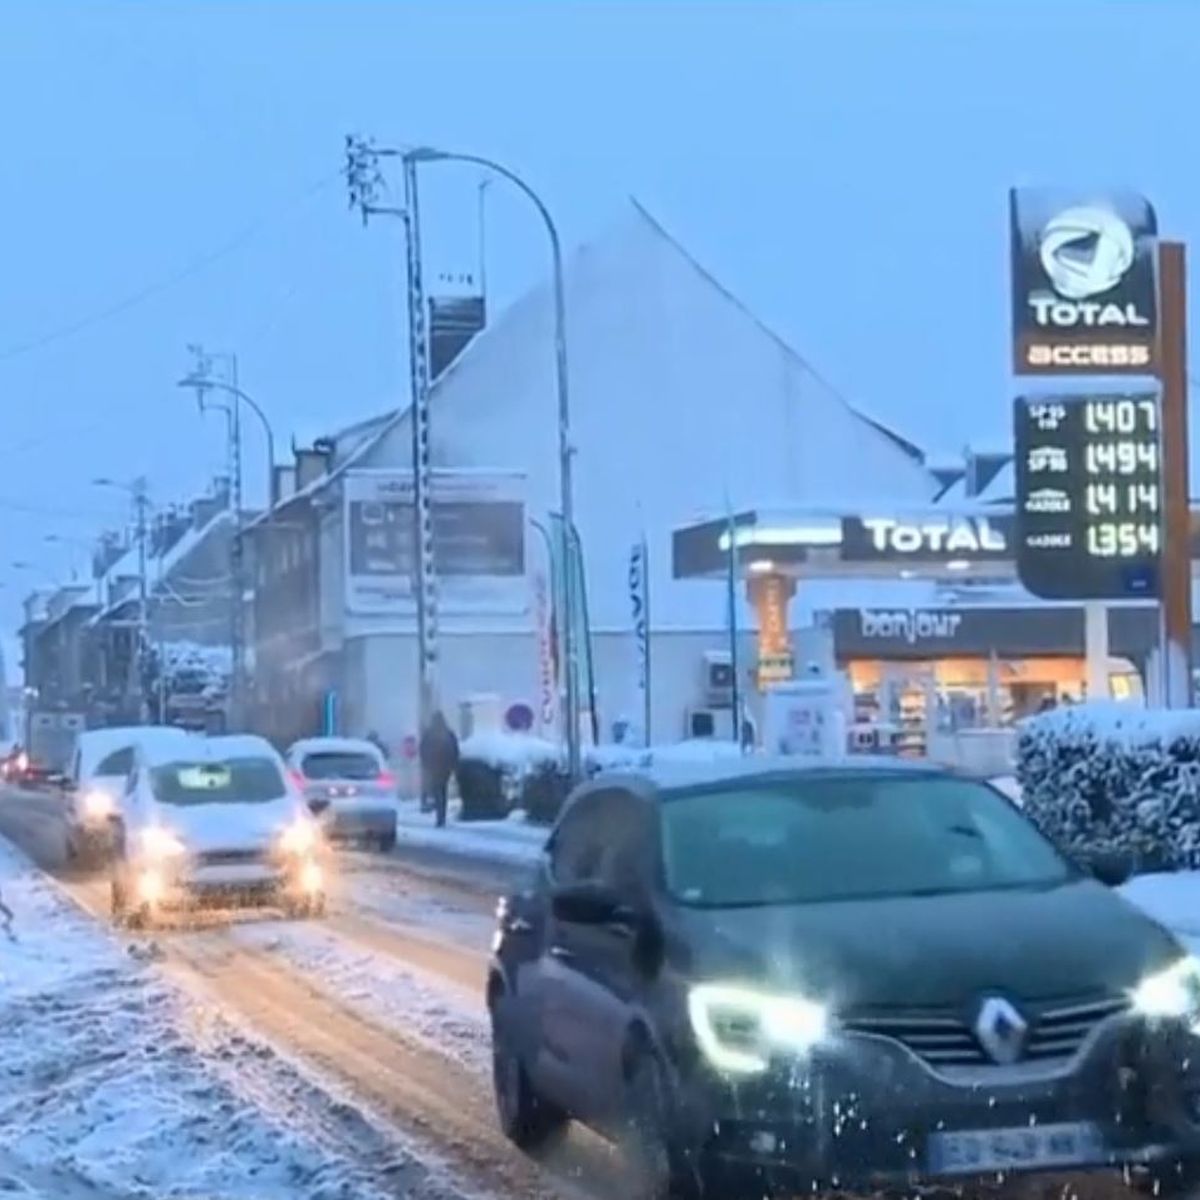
x=739 y=1028
x=299 y=838
x=1173 y=994
x=97 y=804
x=159 y=843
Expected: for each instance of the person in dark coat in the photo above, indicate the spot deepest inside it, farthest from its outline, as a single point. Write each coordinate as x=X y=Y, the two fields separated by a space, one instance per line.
x=439 y=758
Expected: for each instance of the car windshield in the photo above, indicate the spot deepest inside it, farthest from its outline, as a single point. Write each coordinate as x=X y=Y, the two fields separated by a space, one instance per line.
x=843 y=837
x=233 y=781
x=340 y=764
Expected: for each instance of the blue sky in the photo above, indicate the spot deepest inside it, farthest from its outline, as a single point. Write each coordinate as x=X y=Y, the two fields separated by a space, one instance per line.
x=842 y=167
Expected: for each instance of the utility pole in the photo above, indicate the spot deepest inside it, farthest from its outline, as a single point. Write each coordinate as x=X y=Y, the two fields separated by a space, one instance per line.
x=141 y=505
x=1176 y=552
x=200 y=378
x=365 y=181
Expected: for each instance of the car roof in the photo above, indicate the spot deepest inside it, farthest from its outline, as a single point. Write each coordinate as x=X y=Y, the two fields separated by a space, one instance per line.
x=212 y=749
x=334 y=745
x=662 y=779
x=95 y=744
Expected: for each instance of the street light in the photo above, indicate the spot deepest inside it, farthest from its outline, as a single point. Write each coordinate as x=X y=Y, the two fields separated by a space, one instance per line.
x=423 y=154
x=200 y=382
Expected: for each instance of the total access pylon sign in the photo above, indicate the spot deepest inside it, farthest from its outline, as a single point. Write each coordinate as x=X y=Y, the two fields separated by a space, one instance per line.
x=1084 y=293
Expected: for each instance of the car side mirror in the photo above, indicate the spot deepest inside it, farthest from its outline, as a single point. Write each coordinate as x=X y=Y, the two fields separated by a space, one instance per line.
x=1111 y=867
x=589 y=904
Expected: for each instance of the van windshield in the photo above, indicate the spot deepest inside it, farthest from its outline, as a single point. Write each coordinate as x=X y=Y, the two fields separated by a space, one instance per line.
x=233 y=781
x=849 y=837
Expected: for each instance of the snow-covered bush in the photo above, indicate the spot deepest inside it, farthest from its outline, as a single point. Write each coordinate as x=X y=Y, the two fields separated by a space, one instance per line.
x=1115 y=777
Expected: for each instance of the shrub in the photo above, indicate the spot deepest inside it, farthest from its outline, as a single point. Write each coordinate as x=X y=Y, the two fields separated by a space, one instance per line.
x=1115 y=777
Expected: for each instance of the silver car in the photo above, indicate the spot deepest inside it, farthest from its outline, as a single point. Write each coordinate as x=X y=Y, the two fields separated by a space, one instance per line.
x=348 y=787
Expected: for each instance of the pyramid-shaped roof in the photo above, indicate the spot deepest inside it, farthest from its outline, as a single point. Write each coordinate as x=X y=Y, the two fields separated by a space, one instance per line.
x=681 y=401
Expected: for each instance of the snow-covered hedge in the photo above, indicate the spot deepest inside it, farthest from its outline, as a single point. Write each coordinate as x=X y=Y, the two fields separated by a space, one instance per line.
x=1115 y=777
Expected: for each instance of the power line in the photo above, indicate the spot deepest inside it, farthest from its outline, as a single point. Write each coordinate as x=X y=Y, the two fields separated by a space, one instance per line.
x=162 y=285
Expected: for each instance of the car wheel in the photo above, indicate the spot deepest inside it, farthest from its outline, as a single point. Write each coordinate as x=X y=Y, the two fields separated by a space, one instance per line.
x=1177 y=1182
x=655 y=1168
x=528 y=1121
x=387 y=842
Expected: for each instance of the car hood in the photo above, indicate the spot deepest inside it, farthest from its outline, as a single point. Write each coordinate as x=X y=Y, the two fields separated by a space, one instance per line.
x=206 y=827
x=936 y=951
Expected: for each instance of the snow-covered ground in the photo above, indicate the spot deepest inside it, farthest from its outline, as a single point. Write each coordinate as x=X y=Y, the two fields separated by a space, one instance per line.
x=513 y=841
x=102 y=1094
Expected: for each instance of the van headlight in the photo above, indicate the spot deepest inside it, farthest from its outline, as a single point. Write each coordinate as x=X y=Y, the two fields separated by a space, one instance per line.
x=739 y=1028
x=158 y=843
x=1171 y=995
x=97 y=804
x=299 y=838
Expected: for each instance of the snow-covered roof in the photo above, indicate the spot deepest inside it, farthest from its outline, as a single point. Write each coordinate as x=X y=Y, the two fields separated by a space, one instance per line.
x=654 y=338
x=94 y=744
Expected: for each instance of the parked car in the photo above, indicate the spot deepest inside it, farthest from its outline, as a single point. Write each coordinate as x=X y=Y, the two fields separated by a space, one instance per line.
x=214 y=820
x=96 y=779
x=866 y=977
x=348 y=786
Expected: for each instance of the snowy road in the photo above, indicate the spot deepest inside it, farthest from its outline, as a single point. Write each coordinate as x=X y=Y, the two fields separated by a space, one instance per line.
x=380 y=1006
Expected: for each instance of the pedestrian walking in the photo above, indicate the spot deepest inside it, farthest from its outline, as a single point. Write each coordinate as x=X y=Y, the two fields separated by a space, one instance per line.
x=439 y=758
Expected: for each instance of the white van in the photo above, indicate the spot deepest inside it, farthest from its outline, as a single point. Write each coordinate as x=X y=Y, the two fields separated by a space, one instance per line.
x=214 y=819
x=96 y=780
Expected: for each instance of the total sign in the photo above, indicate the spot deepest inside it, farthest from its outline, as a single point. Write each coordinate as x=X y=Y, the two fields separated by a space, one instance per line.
x=930 y=539
x=1083 y=281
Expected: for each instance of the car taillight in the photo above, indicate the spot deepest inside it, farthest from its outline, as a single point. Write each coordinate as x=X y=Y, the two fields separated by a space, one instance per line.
x=297 y=778
x=387 y=779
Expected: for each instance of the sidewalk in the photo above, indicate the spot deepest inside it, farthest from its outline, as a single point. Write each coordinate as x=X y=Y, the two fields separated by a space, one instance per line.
x=511 y=842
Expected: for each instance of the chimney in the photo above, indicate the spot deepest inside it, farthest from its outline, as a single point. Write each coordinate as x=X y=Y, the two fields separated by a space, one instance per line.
x=285 y=482
x=202 y=511
x=453 y=323
x=311 y=464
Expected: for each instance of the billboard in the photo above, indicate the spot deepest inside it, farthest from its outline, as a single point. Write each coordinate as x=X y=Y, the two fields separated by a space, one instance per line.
x=1089 y=496
x=478 y=535
x=1084 y=294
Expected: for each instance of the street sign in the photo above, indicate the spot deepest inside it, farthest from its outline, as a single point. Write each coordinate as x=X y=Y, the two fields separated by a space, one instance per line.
x=1084 y=295
x=1089 y=496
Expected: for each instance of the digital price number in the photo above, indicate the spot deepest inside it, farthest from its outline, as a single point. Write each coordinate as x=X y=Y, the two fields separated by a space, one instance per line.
x=1121 y=465
x=1089 y=503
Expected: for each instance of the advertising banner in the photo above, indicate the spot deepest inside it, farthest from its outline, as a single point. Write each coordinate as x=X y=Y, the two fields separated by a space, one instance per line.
x=639 y=597
x=478 y=538
x=1089 y=496
x=543 y=615
x=1084 y=296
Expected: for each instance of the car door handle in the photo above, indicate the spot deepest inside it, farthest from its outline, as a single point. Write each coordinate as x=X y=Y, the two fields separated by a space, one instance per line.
x=519 y=925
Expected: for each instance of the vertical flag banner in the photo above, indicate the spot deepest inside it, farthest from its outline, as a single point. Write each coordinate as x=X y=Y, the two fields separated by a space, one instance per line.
x=543 y=615
x=639 y=595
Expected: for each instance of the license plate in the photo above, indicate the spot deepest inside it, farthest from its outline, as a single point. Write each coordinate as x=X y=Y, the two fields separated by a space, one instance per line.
x=1026 y=1148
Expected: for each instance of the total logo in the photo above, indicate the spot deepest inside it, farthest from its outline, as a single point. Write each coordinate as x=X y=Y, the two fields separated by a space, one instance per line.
x=1085 y=252
x=964 y=535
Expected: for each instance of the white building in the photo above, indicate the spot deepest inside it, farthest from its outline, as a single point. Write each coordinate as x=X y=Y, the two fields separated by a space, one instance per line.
x=682 y=402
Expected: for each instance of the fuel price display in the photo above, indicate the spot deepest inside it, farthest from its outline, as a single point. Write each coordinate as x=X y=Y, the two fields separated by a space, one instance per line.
x=1089 y=497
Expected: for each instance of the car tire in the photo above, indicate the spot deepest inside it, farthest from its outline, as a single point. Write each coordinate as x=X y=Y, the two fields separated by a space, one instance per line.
x=655 y=1167
x=1179 y=1182
x=387 y=842
x=530 y=1122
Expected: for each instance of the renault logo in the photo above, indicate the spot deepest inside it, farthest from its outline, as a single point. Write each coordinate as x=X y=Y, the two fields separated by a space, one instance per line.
x=1001 y=1031
x=1086 y=251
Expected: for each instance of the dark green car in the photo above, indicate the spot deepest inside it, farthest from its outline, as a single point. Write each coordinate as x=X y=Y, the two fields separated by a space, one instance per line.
x=861 y=977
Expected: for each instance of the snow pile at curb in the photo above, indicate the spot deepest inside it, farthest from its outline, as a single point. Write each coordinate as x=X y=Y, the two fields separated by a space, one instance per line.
x=1115 y=776
x=514 y=752
x=102 y=1094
